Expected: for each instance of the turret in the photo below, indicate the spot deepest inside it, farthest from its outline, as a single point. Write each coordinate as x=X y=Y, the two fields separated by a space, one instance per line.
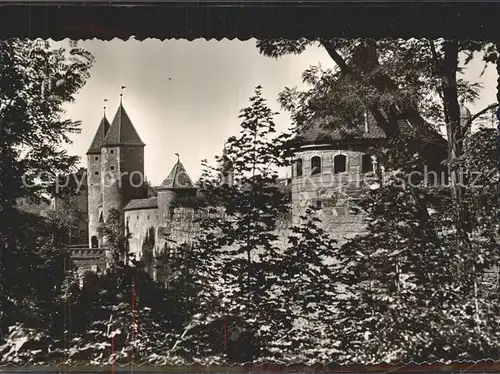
x=178 y=184
x=122 y=164
x=94 y=181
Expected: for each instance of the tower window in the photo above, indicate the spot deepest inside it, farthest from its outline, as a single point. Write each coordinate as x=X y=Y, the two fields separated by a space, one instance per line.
x=366 y=164
x=315 y=165
x=96 y=173
x=111 y=151
x=298 y=167
x=112 y=167
x=96 y=158
x=339 y=164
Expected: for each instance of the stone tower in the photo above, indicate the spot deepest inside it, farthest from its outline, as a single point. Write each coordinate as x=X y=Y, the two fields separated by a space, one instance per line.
x=94 y=181
x=122 y=164
x=334 y=164
x=178 y=184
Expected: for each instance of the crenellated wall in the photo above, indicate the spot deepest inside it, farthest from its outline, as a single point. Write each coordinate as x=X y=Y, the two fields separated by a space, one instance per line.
x=182 y=227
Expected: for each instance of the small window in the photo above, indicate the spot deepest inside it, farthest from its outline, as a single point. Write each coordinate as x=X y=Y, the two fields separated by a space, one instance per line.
x=339 y=164
x=96 y=158
x=112 y=168
x=366 y=164
x=148 y=216
x=298 y=167
x=315 y=165
x=96 y=173
x=318 y=204
x=131 y=150
x=137 y=216
x=111 y=151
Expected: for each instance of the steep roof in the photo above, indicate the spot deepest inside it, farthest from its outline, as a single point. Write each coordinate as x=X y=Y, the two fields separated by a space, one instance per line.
x=122 y=131
x=95 y=146
x=177 y=179
x=322 y=131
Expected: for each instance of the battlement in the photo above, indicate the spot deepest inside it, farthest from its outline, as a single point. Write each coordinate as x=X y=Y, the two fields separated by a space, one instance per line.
x=87 y=259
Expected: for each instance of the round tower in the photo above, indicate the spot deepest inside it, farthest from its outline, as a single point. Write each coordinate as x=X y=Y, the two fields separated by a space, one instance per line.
x=122 y=164
x=94 y=181
x=177 y=185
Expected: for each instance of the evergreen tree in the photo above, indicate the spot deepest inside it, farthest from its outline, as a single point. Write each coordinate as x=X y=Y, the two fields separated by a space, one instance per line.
x=236 y=251
x=148 y=248
x=305 y=287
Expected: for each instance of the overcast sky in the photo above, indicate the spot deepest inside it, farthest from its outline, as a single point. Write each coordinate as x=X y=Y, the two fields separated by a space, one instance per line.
x=197 y=109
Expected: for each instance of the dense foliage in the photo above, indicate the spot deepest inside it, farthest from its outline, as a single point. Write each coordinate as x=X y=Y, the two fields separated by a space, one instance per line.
x=420 y=284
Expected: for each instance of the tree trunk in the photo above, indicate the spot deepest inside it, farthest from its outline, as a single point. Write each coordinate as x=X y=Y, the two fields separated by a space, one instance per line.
x=455 y=134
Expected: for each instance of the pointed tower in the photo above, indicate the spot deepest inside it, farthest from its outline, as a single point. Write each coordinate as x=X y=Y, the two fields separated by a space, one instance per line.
x=94 y=180
x=178 y=184
x=122 y=165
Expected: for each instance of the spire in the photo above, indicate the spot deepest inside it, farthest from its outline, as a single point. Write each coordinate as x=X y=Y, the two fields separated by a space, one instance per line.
x=122 y=131
x=102 y=130
x=177 y=178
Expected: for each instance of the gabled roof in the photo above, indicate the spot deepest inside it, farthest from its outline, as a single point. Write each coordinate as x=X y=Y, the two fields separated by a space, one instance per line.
x=177 y=179
x=95 y=146
x=322 y=131
x=122 y=131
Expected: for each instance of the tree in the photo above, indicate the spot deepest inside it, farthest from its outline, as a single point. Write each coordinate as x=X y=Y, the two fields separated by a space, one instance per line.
x=418 y=81
x=415 y=80
x=33 y=311
x=127 y=317
x=236 y=251
x=305 y=287
x=35 y=83
x=148 y=247
x=116 y=239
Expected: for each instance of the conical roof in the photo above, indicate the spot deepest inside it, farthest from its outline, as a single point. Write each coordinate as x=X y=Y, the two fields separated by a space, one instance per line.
x=95 y=146
x=177 y=179
x=122 y=131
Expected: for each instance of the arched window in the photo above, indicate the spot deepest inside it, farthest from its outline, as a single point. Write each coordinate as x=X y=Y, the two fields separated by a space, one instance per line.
x=339 y=164
x=298 y=167
x=366 y=164
x=101 y=218
x=315 y=165
x=94 y=242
